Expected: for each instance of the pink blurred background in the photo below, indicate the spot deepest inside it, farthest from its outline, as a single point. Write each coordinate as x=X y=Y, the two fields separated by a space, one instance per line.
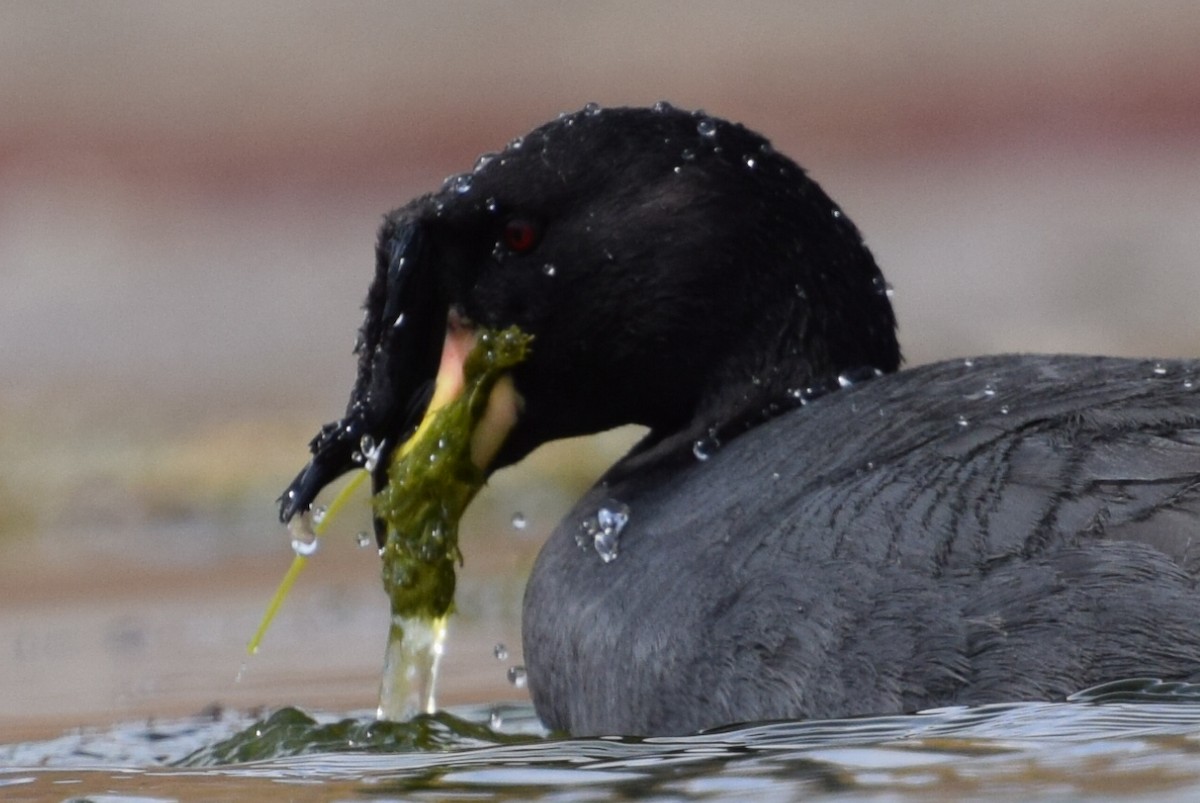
x=188 y=199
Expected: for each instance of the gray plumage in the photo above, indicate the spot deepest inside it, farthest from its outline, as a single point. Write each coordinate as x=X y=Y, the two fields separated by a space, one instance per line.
x=1014 y=529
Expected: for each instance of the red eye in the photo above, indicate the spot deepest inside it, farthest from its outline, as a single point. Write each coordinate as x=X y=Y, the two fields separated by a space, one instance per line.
x=520 y=235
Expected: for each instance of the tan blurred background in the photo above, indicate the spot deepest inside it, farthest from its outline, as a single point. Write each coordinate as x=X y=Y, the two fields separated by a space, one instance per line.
x=188 y=199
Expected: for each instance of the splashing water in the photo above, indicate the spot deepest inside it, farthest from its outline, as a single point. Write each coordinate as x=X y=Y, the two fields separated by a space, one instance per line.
x=410 y=665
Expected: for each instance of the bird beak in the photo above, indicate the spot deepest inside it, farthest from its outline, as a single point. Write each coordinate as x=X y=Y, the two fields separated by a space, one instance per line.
x=407 y=333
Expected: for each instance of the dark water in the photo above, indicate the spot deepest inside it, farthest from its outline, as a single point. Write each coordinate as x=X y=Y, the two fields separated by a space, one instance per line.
x=1138 y=740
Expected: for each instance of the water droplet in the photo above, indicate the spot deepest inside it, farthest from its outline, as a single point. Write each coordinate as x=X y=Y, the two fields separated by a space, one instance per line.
x=986 y=392
x=460 y=184
x=706 y=446
x=395 y=325
x=500 y=651
x=305 y=544
x=961 y=420
x=613 y=516
x=749 y=160
x=707 y=127
x=796 y=394
x=549 y=269
x=1160 y=369
x=1004 y=409
x=603 y=529
x=318 y=514
x=837 y=213
x=517 y=677
x=491 y=205
x=853 y=376
x=371 y=452
x=968 y=363
x=774 y=475
x=363 y=539
x=687 y=155
x=662 y=107
x=519 y=522
x=592 y=109
x=1188 y=384
x=483 y=161
x=495 y=721
x=516 y=142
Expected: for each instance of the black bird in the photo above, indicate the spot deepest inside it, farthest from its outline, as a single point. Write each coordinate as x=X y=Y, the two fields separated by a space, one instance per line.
x=804 y=532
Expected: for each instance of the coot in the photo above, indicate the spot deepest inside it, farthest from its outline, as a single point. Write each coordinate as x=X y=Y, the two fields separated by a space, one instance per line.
x=804 y=531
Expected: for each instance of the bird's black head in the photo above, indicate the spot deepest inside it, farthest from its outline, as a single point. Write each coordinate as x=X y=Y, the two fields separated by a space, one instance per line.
x=674 y=270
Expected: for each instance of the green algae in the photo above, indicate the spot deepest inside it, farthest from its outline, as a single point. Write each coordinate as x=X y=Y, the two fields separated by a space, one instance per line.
x=432 y=479
x=292 y=732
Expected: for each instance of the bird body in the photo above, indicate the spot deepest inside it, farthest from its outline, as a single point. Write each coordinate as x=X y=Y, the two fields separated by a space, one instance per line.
x=805 y=531
x=1012 y=528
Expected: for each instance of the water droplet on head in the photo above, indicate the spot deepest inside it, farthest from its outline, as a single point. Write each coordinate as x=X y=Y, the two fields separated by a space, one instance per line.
x=516 y=142
x=749 y=160
x=519 y=522
x=395 y=324
x=460 y=184
x=500 y=651
x=1004 y=409
x=517 y=677
x=837 y=213
x=495 y=720
x=1189 y=384
x=363 y=539
x=968 y=363
x=549 y=269
x=707 y=127
x=1160 y=369
x=961 y=420
x=687 y=155
x=491 y=205
x=318 y=514
x=483 y=161
x=663 y=107
x=592 y=109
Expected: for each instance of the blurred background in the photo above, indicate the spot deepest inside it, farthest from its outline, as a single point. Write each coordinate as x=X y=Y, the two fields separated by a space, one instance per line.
x=188 y=199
